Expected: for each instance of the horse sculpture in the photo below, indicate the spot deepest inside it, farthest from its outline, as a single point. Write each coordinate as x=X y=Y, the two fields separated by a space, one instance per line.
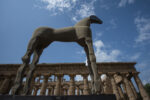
x=44 y=36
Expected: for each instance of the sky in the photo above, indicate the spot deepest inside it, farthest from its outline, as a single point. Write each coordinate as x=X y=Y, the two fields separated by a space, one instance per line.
x=124 y=35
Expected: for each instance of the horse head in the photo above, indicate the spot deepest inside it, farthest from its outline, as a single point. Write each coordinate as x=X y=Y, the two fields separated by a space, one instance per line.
x=89 y=20
x=95 y=19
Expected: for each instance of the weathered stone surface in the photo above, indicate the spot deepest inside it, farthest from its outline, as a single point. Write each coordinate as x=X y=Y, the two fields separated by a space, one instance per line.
x=44 y=36
x=74 y=69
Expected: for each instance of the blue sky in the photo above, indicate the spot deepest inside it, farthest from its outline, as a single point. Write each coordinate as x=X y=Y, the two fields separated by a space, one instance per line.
x=124 y=36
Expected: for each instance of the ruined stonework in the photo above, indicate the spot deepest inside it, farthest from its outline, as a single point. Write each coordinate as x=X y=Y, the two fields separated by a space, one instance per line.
x=46 y=81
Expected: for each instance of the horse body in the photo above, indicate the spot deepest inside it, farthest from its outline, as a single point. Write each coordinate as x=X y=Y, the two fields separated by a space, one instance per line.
x=43 y=36
x=47 y=35
x=67 y=34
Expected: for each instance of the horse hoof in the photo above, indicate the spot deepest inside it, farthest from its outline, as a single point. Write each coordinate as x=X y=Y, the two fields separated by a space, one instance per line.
x=97 y=86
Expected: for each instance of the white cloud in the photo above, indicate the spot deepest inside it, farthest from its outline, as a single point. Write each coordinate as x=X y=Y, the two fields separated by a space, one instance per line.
x=74 y=19
x=143 y=68
x=112 y=24
x=79 y=78
x=86 y=9
x=122 y=3
x=89 y=78
x=58 y=6
x=135 y=56
x=103 y=77
x=104 y=6
x=131 y=1
x=81 y=52
x=98 y=44
x=143 y=28
x=104 y=56
x=98 y=35
x=79 y=9
x=145 y=75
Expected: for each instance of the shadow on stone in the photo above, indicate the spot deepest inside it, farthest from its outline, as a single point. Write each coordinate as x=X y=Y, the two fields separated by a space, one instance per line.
x=82 y=97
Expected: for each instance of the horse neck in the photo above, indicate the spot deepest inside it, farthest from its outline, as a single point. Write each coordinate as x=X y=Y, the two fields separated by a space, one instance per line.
x=84 y=22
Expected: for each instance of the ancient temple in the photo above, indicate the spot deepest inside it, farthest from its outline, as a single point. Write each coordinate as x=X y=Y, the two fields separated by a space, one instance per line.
x=49 y=79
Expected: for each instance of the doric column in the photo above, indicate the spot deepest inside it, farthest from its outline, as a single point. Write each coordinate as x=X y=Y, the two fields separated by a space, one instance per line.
x=133 y=89
x=35 y=91
x=38 y=81
x=62 y=90
x=52 y=91
x=72 y=87
x=57 y=90
x=1 y=81
x=32 y=84
x=49 y=91
x=86 y=85
x=141 y=88
x=124 y=88
x=78 y=92
x=44 y=85
x=6 y=85
x=81 y=93
x=65 y=91
x=128 y=88
x=114 y=86
x=120 y=92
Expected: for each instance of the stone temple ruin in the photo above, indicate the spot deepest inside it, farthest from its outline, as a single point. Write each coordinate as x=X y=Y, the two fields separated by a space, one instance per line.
x=49 y=79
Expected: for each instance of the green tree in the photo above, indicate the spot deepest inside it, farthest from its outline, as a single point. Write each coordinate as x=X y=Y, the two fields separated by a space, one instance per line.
x=147 y=88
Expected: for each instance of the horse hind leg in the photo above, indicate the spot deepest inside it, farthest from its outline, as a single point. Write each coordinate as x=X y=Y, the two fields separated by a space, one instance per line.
x=15 y=90
x=31 y=47
x=32 y=66
x=20 y=73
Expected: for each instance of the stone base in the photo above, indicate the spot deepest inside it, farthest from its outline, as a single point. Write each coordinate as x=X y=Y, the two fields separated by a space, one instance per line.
x=81 y=97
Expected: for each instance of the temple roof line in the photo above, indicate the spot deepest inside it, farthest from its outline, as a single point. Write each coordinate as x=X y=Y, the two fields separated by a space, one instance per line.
x=80 y=63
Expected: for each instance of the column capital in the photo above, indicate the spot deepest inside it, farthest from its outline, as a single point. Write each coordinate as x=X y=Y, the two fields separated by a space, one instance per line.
x=125 y=74
x=46 y=75
x=59 y=75
x=110 y=74
x=85 y=75
x=72 y=75
x=135 y=73
x=118 y=78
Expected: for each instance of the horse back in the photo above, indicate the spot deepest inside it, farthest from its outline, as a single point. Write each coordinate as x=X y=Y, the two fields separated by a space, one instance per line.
x=43 y=32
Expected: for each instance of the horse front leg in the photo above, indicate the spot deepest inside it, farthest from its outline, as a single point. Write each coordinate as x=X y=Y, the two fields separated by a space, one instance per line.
x=32 y=66
x=92 y=61
x=89 y=69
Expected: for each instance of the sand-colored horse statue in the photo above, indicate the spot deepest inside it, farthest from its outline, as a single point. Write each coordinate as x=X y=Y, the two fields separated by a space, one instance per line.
x=44 y=36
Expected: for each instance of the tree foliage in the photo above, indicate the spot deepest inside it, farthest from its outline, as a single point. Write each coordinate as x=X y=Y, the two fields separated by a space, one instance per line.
x=147 y=88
